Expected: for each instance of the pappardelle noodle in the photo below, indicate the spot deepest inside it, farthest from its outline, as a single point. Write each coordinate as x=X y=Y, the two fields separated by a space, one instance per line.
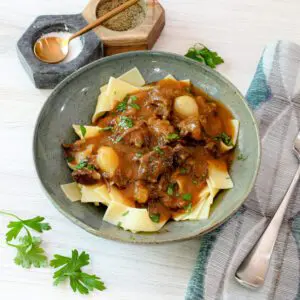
x=153 y=153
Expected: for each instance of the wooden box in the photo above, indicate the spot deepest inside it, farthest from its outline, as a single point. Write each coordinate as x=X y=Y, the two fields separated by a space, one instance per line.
x=141 y=37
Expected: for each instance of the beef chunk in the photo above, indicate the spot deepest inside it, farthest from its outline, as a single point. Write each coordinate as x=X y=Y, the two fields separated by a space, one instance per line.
x=86 y=176
x=163 y=183
x=121 y=178
x=161 y=129
x=181 y=153
x=213 y=148
x=75 y=147
x=160 y=104
x=138 y=136
x=206 y=108
x=155 y=163
x=172 y=203
x=191 y=127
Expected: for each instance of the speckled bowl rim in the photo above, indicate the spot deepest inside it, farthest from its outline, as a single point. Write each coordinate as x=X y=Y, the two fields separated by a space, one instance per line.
x=129 y=55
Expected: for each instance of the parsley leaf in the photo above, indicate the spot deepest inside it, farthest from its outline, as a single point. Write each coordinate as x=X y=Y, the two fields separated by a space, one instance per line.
x=83 y=130
x=188 y=208
x=30 y=253
x=122 y=106
x=126 y=122
x=119 y=225
x=28 y=249
x=70 y=159
x=202 y=54
x=183 y=171
x=17 y=226
x=108 y=128
x=173 y=136
x=117 y=139
x=155 y=218
x=139 y=154
x=186 y=197
x=226 y=139
x=135 y=105
x=158 y=150
x=171 y=189
x=242 y=157
x=81 y=165
x=133 y=98
x=125 y=213
x=70 y=267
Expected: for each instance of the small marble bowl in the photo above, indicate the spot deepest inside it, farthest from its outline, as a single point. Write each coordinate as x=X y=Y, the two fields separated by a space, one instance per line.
x=47 y=76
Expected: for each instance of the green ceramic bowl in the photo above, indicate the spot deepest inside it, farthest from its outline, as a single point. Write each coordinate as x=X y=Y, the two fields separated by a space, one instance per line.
x=74 y=100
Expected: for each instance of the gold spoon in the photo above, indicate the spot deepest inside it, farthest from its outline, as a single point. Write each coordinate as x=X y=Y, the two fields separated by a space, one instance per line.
x=53 y=50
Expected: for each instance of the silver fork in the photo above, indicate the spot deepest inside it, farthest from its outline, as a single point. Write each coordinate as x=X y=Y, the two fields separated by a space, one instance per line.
x=253 y=269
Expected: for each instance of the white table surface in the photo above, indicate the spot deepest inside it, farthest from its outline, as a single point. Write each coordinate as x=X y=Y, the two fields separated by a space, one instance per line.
x=237 y=29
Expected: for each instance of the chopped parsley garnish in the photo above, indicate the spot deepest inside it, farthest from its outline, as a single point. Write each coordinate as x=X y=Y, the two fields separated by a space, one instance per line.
x=171 y=189
x=133 y=98
x=82 y=130
x=84 y=164
x=118 y=139
x=226 y=139
x=70 y=268
x=186 y=197
x=242 y=157
x=139 y=154
x=158 y=150
x=119 y=225
x=188 y=207
x=70 y=158
x=125 y=213
x=81 y=165
x=183 y=171
x=134 y=105
x=126 y=122
x=155 y=218
x=202 y=54
x=122 y=106
x=194 y=181
x=128 y=101
x=173 y=136
x=108 y=128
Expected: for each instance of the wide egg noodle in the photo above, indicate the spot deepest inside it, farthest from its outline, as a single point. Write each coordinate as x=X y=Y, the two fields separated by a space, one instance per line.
x=103 y=194
x=89 y=195
x=218 y=175
x=133 y=77
x=91 y=131
x=235 y=124
x=129 y=218
x=72 y=191
x=103 y=105
x=117 y=91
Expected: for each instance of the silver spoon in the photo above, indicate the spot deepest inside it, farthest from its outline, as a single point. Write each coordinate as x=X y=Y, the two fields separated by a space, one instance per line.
x=253 y=269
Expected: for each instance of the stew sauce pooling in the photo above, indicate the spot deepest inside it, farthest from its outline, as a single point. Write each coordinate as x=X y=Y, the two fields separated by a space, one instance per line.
x=161 y=152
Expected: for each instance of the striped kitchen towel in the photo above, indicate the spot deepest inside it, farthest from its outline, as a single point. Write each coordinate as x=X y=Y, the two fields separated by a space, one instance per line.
x=274 y=95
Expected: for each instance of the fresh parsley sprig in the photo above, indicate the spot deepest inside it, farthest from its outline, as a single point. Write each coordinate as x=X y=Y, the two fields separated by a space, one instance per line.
x=70 y=268
x=201 y=53
x=29 y=252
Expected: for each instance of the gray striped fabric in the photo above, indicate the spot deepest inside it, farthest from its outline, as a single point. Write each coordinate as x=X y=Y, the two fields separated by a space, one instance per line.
x=274 y=94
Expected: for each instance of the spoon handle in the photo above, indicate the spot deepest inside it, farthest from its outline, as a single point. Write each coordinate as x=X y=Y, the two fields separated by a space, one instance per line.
x=253 y=269
x=102 y=19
